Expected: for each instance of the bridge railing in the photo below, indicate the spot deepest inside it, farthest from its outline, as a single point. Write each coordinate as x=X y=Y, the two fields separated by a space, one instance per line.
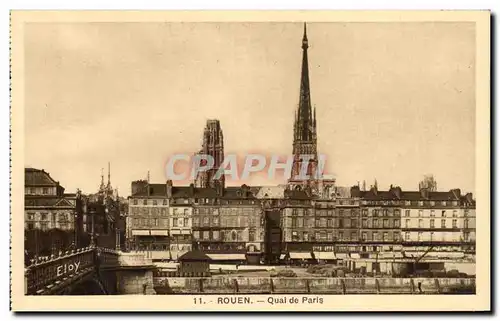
x=108 y=257
x=46 y=274
x=43 y=272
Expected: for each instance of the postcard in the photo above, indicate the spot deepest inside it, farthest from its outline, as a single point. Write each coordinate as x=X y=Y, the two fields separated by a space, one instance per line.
x=250 y=161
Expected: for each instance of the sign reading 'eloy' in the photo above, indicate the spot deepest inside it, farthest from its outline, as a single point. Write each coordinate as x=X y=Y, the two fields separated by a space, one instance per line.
x=68 y=268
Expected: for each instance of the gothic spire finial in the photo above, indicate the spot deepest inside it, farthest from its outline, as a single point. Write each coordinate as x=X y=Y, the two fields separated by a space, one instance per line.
x=109 y=174
x=101 y=187
x=305 y=43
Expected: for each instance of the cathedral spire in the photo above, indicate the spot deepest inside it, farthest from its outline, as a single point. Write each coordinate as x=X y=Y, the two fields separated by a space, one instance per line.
x=305 y=111
x=304 y=139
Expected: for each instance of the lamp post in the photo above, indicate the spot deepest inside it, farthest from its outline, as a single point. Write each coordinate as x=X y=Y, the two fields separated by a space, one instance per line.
x=75 y=227
x=92 y=240
x=117 y=239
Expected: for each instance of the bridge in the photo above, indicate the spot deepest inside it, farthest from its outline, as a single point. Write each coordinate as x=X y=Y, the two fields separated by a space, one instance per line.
x=90 y=271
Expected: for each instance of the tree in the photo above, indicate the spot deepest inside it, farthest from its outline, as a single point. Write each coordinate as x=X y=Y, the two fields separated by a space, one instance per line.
x=429 y=183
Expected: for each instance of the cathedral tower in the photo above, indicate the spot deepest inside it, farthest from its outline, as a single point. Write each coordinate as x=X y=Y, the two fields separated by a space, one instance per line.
x=213 y=145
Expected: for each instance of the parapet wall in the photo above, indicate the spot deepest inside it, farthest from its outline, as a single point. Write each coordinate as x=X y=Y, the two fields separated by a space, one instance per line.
x=167 y=285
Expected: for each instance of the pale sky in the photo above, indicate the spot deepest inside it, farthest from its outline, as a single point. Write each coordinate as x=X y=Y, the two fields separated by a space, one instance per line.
x=394 y=101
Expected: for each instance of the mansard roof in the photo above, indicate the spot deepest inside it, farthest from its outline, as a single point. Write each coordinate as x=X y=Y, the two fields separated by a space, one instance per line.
x=396 y=193
x=38 y=177
x=160 y=190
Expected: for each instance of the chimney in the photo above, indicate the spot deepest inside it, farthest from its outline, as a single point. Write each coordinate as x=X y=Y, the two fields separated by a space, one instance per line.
x=355 y=191
x=244 y=191
x=169 y=188
x=456 y=193
x=139 y=186
x=469 y=198
x=191 y=190
x=219 y=188
x=396 y=191
x=374 y=189
x=424 y=192
x=308 y=191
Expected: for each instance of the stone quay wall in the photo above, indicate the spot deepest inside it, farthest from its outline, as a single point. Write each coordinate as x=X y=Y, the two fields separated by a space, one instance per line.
x=265 y=285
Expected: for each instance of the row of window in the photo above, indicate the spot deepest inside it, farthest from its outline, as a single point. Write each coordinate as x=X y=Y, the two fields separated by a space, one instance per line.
x=330 y=204
x=180 y=222
x=298 y=222
x=197 y=222
x=147 y=222
x=383 y=223
x=45 y=226
x=152 y=222
x=33 y=190
x=206 y=221
x=353 y=249
x=153 y=202
x=232 y=221
x=200 y=201
x=322 y=236
x=46 y=216
x=180 y=211
x=331 y=212
x=410 y=203
x=228 y=236
x=341 y=236
x=431 y=237
x=148 y=211
x=433 y=225
x=372 y=212
x=442 y=213
x=383 y=212
x=196 y=211
x=384 y=237
x=240 y=211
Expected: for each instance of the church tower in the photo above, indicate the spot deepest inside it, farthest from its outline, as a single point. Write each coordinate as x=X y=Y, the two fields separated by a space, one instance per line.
x=213 y=145
x=304 y=129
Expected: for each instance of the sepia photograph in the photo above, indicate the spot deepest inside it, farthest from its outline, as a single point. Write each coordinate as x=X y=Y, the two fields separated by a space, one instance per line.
x=239 y=162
